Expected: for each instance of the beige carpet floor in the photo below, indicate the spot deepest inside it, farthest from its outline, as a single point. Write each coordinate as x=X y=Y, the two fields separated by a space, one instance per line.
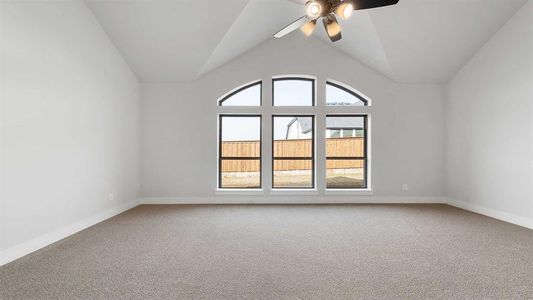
x=282 y=252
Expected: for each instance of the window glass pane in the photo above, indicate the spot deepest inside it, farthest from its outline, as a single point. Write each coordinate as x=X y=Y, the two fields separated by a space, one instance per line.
x=343 y=173
x=293 y=173
x=336 y=95
x=345 y=152
x=293 y=92
x=293 y=152
x=249 y=96
x=240 y=151
x=240 y=173
x=240 y=128
x=293 y=136
x=340 y=141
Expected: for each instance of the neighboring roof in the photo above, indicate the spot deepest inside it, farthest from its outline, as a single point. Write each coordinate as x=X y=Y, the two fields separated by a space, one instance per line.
x=415 y=41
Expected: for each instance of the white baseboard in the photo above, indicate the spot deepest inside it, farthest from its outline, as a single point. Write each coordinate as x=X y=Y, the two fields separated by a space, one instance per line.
x=44 y=240
x=289 y=199
x=493 y=213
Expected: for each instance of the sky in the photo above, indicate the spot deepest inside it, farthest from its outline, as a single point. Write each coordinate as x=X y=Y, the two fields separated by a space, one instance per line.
x=293 y=93
x=241 y=128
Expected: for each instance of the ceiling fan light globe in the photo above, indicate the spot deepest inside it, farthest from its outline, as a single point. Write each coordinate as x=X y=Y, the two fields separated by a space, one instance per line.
x=333 y=28
x=308 y=28
x=345 y=10
x=313 y=9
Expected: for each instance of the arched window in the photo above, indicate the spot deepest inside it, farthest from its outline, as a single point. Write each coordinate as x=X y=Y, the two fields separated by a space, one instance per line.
x=247 y=95
x=340 y=95
x=293 y=114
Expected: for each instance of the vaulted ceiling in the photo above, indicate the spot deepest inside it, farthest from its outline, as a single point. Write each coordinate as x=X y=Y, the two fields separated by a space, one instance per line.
x=415 y=41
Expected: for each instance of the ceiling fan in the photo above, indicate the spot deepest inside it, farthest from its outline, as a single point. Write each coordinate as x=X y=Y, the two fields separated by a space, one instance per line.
x=327 y=9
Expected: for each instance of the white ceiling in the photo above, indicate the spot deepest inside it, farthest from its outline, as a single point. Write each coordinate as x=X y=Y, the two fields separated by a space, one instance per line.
x=415 y=41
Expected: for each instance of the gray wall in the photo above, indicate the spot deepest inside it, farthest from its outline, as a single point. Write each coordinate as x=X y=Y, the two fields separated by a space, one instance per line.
x=179 y=121
x=70 y=120
x=489 y=117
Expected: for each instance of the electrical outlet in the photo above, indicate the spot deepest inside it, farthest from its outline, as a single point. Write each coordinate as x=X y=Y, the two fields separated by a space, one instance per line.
x=111 y=197
x=405 y=187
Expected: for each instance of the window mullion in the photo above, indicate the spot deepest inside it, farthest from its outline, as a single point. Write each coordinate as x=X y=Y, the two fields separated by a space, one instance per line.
x=320 y=134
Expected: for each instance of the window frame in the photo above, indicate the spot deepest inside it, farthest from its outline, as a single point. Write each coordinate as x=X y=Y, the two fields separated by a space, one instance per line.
x=313 y=87
x=365 y=156
x=318 y=110
x=221 y=158
x=313 y=153
x=240 y=89
x=349 y=91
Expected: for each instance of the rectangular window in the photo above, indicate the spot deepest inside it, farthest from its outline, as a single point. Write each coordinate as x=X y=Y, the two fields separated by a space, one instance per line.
x=293 y=161
x=239 y=165
x=346 y=154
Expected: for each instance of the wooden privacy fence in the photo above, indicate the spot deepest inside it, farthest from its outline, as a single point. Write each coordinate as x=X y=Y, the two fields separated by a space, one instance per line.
x=339 y=147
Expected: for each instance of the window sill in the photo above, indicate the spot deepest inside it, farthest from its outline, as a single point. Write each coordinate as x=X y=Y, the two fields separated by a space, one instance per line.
x=239 y=192
x=361 y=192
x=294 y=191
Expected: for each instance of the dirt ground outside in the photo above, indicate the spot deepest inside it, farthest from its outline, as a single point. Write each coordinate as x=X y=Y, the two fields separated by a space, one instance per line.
x=337 y=178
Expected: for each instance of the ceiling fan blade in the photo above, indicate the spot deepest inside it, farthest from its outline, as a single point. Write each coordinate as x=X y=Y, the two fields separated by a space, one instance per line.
x=333 y=29
x=366 y=4
x=291 y=27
